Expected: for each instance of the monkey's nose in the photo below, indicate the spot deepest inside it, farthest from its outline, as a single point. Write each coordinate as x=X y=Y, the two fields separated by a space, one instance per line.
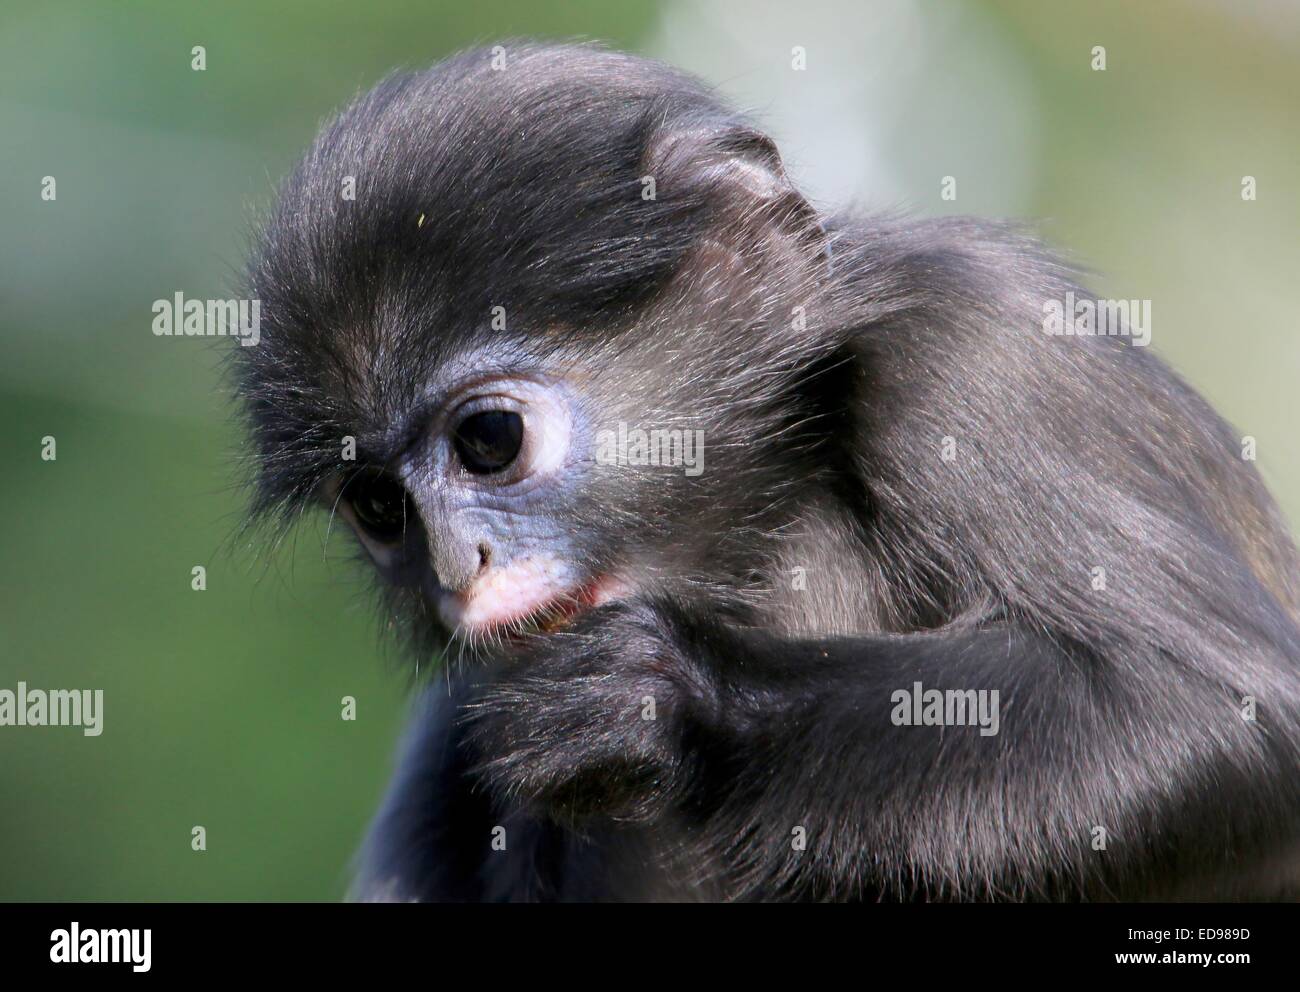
x=457 y=549
x=457 y=559
x=455 y=568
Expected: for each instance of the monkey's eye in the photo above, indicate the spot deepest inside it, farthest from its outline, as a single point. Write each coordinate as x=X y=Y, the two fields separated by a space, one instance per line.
x=379 y=503
x=489 y=441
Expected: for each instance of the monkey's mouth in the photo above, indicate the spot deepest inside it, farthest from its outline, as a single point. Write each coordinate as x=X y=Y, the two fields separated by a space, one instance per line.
x=559 y=613
x=516 y=611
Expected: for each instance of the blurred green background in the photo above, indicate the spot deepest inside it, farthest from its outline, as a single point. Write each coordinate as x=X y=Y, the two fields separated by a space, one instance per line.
x=222 y=708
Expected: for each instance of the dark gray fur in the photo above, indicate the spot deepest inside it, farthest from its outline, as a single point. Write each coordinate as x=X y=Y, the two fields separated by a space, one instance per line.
x=1121 y=708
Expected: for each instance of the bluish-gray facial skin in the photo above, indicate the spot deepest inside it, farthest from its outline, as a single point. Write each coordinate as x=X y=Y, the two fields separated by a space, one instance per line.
x=492 y=551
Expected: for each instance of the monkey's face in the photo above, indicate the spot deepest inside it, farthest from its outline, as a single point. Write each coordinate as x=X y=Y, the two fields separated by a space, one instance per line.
x=511 y=485
x=477 y=512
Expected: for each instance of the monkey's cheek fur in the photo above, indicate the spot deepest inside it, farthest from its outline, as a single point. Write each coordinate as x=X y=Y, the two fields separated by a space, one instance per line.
x=540 y=591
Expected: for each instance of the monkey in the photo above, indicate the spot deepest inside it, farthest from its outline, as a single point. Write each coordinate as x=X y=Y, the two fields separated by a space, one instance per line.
x=661 y=684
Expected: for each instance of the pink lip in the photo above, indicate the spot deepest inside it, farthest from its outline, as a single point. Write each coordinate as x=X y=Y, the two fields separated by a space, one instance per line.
x=557 y=611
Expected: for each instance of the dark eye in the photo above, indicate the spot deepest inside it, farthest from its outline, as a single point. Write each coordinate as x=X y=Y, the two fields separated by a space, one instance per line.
x=379 y=504
x=489 y=441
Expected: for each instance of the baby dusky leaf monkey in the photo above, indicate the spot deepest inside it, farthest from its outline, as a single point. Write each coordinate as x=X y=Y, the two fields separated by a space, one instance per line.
x=771 y=554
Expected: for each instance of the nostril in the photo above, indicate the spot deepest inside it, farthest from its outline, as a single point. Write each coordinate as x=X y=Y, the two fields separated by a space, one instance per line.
x=484 y=557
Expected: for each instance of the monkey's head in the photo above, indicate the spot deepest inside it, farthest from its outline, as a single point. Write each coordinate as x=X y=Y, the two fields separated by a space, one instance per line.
x=535 y=322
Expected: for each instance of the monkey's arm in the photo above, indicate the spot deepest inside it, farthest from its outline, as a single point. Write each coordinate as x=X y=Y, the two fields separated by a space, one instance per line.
x=767 y=745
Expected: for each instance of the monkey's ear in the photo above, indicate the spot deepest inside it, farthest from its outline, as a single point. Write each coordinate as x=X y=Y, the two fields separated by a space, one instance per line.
x=737 y=173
